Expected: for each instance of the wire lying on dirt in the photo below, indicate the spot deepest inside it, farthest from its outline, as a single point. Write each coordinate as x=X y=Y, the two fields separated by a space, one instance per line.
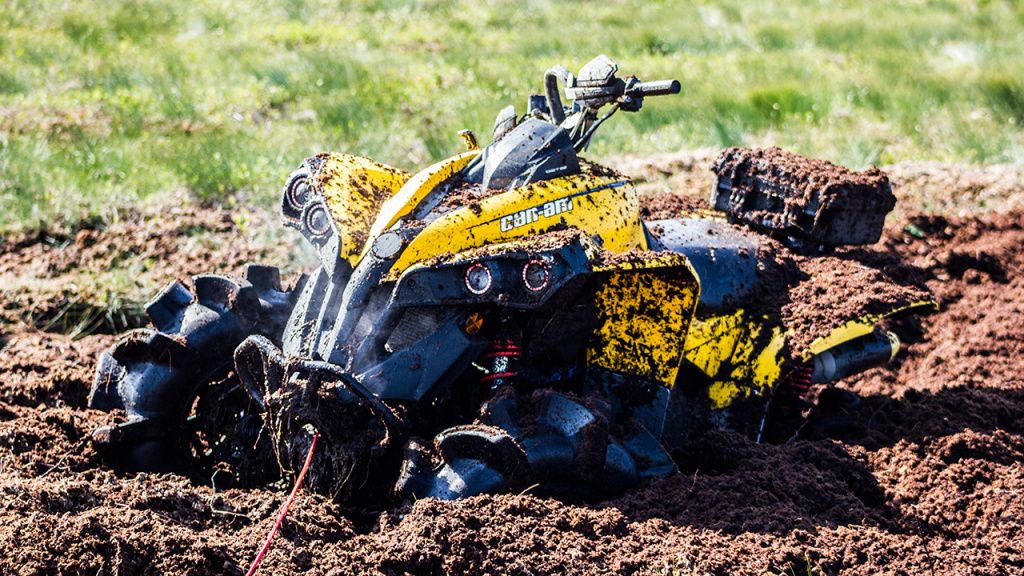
x=284 y=509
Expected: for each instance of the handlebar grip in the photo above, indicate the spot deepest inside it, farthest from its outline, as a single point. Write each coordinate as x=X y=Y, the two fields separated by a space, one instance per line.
x=657 y=88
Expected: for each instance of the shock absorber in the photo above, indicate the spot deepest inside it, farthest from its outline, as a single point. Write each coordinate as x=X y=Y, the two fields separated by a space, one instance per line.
x=502 y=356
x=800 y=380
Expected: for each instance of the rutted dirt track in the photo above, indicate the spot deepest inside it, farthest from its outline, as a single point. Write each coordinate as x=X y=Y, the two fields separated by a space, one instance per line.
x=928 y=479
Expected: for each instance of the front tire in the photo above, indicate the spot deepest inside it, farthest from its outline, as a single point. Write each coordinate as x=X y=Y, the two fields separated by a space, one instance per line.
x=158 y=375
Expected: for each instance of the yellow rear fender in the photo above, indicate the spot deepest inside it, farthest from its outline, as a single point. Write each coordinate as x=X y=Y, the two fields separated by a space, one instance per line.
x=354 y=189
x=746 y=355
x=856 y=328
x=644 y=304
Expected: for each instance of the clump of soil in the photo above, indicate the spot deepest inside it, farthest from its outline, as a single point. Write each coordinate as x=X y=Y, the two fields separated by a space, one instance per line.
x=467 y=195
x=825 y=292
x=789 y=173
x=925 y=476
x=668 y=206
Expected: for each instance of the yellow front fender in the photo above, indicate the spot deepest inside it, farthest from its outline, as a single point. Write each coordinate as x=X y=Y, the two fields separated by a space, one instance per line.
x=355 y=189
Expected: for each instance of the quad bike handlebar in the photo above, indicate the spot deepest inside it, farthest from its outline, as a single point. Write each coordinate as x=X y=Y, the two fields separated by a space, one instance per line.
x=655 y=88
x=596 y=86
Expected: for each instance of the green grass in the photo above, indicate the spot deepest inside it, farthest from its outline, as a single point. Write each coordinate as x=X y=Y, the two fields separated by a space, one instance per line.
x=122 y=102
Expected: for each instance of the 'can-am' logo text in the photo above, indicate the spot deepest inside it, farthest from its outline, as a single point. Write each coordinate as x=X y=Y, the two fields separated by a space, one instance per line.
x=531 y=215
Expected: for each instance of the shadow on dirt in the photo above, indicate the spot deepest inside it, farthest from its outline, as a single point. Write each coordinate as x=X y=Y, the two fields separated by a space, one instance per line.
x=882 y=420
x=825 y=478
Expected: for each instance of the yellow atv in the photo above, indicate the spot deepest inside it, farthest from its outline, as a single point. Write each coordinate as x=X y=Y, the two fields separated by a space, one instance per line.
x=505 y=318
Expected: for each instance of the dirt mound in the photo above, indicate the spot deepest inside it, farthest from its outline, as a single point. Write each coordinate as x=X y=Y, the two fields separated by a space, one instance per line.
x=932 y=186
x=925 y=476
x=94 y=277
x=94 y=247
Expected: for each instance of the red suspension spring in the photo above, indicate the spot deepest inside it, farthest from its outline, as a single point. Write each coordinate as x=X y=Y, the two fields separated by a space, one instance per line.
x=504 y=358
x=800 y=379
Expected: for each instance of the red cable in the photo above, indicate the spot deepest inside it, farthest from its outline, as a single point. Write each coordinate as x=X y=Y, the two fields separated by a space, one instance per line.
x=284 y=510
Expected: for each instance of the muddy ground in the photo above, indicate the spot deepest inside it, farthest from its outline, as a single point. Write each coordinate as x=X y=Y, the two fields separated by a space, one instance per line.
x=929 y=479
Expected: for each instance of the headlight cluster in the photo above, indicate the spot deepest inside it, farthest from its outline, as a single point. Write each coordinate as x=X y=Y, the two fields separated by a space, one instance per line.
x=534 y=274
x=522 y=278
x=303 y=211
x=517 y=280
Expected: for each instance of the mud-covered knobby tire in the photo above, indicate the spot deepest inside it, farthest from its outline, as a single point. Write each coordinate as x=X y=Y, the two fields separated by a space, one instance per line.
x=567 y=447
x=154 y=374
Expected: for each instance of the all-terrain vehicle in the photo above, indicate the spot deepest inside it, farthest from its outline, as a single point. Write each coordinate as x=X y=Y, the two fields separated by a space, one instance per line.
x=505 y=318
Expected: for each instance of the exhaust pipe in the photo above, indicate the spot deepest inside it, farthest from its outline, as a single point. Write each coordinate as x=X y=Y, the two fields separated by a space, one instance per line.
x=857 y=355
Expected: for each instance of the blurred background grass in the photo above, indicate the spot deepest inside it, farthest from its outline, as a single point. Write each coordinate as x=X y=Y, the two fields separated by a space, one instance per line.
x=114 y=103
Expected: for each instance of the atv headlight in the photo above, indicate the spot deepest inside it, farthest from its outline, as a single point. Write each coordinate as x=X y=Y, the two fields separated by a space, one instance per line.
x=317 y=221
x=536 y=275
x=294 y=196
x=478 y=278
x=297 y=192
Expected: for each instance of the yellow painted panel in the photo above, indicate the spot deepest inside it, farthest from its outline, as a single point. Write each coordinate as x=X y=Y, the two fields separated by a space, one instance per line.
x=605 y=206
x=736 y=354
x=354 y=188
x=415 y=190
x=644 y=315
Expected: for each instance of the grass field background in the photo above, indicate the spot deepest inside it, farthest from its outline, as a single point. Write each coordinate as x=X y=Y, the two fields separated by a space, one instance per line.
x=115 y=103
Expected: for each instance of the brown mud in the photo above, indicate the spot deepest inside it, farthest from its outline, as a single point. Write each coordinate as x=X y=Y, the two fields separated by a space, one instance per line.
x=926 y=476
x=813 y=199
x=54 y=278
x=799 y=176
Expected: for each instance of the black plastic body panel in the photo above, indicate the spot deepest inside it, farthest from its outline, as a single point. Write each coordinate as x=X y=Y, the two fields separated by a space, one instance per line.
x=532 y=151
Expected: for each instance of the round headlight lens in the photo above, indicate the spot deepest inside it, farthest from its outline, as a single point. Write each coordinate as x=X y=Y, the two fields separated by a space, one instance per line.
x=298 y=192
x=536 y=275
x=478 y=278
x=317 y=221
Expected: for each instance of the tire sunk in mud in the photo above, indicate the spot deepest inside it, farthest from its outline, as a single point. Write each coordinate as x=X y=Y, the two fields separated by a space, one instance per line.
x=183 y=409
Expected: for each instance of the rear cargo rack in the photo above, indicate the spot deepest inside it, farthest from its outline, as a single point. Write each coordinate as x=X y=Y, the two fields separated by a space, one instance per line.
x=814 y=202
